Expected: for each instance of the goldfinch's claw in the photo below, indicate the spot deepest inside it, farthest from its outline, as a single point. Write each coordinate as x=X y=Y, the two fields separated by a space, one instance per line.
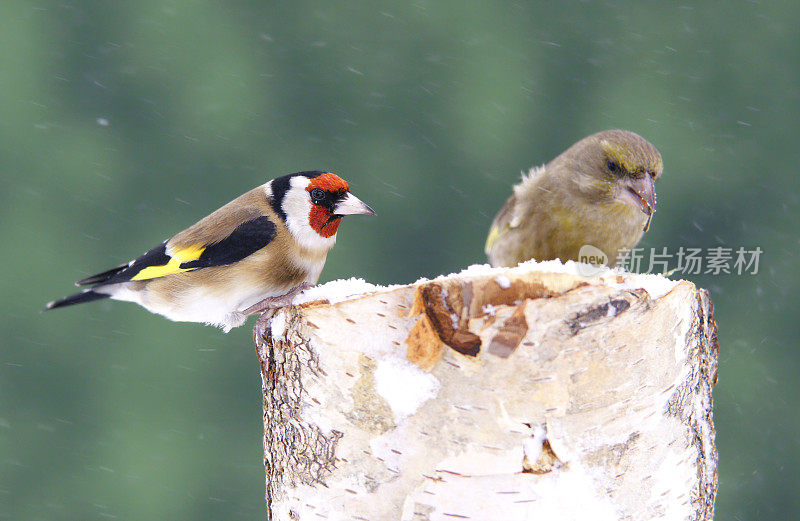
x=262 y=324
x=277 y=301
x=269 y=305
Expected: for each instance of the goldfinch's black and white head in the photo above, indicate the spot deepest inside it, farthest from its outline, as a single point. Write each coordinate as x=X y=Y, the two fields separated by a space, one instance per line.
x=312 y=205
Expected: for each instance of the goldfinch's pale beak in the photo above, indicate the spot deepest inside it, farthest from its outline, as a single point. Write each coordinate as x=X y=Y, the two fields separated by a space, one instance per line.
x=352 y=205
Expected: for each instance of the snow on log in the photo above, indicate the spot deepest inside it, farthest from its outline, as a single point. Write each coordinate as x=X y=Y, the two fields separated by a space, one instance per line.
x=492 y=394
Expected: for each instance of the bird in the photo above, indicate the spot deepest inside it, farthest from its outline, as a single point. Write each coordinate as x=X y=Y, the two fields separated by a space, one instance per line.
x=249 y=256
x=597 y=195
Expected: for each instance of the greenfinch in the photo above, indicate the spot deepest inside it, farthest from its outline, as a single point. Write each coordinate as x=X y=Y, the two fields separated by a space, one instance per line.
x=591 y=203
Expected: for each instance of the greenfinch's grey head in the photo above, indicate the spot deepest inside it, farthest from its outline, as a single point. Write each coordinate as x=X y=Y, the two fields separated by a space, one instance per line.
x=600 y=192
x=614 y=166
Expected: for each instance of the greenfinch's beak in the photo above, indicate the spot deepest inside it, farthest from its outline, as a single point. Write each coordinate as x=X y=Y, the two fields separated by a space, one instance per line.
x=641 y=192
x=352 y=205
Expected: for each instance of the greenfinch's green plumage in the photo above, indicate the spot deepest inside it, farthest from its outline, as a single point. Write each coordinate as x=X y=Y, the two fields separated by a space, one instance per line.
x=600 y=192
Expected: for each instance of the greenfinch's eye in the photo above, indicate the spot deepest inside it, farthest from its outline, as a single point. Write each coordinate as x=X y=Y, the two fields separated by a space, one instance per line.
x=317 y=195
x=612 y=165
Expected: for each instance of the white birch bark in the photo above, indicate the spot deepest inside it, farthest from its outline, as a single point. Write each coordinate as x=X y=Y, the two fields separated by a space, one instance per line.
x=505 y=394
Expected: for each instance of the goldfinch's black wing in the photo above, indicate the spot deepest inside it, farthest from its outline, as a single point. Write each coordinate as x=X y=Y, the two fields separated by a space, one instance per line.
x=246 y=239
x=100 y=277
x=166 y=259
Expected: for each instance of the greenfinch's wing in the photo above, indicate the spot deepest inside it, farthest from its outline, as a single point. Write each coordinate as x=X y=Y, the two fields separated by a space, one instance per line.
x=501 y=224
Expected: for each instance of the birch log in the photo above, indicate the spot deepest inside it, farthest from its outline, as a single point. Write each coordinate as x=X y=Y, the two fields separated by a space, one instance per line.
x=493 y=394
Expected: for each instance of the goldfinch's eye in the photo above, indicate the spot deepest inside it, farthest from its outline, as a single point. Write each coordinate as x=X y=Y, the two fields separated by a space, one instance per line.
x=612 y=165
x=317 y=195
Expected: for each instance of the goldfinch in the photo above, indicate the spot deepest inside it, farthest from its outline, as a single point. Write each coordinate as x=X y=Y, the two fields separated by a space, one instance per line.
x=599 y=193
x=253 y=253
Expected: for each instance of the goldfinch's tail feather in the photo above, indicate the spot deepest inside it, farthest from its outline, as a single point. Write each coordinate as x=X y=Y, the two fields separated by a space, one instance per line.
x=86 y=295
x=101 y=277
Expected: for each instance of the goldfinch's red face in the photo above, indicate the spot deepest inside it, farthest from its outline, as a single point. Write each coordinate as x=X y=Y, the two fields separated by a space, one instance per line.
x=313 y=204
x=325 y=191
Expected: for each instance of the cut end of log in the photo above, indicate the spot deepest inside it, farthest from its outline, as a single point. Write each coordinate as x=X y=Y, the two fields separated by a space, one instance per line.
x=512 y=392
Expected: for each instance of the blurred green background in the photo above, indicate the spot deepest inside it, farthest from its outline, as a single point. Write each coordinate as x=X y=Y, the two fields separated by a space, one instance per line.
x=122 y=123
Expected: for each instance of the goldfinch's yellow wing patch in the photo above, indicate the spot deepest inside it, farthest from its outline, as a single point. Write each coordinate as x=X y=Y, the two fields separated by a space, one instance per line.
x=172 y=267
x=163 y=261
